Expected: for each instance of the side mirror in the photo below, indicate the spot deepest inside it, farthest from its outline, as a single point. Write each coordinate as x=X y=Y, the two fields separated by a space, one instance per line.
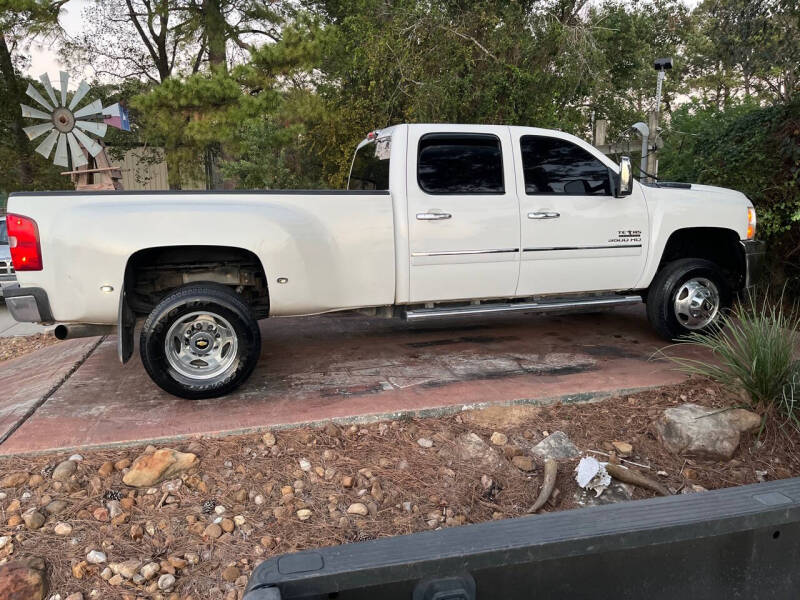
x=623 y=181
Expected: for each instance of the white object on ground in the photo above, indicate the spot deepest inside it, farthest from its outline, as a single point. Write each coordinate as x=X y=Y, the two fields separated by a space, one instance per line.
x=591 y=474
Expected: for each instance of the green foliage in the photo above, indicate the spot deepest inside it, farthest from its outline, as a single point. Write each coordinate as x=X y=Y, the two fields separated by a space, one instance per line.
x=753 y=351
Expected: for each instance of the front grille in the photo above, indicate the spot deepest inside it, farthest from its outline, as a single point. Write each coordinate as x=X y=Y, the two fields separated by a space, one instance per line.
x=6 y=268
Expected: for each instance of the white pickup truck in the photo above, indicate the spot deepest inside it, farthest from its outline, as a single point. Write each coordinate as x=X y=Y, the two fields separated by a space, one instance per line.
x=437 y=221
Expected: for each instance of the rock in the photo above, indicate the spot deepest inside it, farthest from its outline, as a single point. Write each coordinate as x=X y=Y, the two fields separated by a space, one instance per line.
x=75 y=596
x=523 y=463
x=304 y=514
x=213 y=531
x=268 y=439
x=227 y=525
x=23 y=580
x=56 y=507
x=14 y=480
x=165 y=582
x=230 y=574
x=623 y=449
x=126 y=569
x=150 y=469
x=425 y=442
x=347 y=481
x=95 y=557
x=149 y=570
x=122 y=464
x=704 y=432
x=499 y=439
x=471 y=448
x=36 y=481
x=106 y=574
x=616 y=492
x=239 y=520
x=106 y=469
x=304 y=464
x=64 y=470
x=116 y=580
x=500 y=417
x=358 y=509
x=62 y=528
x=79 y=569
x=557 y=446
x=14 y=520
x=100 y=514
x=33 y=520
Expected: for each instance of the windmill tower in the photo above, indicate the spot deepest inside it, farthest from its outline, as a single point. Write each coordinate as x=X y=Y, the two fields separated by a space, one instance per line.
x=68 y=130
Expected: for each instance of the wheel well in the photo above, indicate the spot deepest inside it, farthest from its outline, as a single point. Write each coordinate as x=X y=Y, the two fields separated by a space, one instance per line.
x=152 y=273
x=720 y=246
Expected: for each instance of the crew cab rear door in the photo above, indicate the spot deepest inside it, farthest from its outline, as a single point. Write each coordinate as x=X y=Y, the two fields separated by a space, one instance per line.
x=463 y=213
x=576 y=236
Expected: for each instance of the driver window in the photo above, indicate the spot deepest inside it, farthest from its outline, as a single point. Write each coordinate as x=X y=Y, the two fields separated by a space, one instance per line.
x=555 y=166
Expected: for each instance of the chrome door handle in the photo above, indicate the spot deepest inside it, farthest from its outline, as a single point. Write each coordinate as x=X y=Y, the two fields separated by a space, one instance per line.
x=433 y=216
x=544 y=214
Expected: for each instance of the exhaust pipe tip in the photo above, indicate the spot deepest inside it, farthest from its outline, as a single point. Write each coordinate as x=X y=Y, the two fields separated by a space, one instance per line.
x=78 y=330
x=61 y=332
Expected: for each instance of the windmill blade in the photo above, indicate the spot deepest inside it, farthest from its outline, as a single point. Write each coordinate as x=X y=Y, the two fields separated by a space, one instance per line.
x=64 y=84
x=90 y=109
x=34 y=113
x=61 y=158
x=34 y=131
x=112 y=110
x=98 y=129
x=45 y=79
x=78 y=158
x=93 y=147
x=34 y=93
x=83 y=89
x=46 y=147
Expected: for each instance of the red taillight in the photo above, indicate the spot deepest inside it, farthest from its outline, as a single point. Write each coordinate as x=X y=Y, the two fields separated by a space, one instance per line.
x=23 y=238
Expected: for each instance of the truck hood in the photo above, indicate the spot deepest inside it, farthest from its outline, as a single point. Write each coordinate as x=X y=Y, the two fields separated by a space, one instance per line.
x=698 y=191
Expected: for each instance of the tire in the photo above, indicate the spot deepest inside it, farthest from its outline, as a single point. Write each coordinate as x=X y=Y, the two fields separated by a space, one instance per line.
x=690 y=277
x=214 y=341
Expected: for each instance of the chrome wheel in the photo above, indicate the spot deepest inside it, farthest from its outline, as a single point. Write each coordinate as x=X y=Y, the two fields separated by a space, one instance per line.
x=201 y=345
x=697 y=303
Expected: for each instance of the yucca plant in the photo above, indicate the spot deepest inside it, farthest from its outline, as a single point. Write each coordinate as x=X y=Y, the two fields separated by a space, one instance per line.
x=754 y=351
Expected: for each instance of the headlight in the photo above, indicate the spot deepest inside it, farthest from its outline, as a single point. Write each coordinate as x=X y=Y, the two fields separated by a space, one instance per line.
x=751 y=222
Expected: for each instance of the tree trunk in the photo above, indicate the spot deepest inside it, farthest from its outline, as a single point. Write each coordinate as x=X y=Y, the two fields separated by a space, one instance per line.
x=214 y=26
x=15 y=93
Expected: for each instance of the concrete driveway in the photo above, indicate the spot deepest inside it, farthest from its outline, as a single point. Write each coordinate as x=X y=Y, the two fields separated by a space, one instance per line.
x=9 y=327
x=333 y=367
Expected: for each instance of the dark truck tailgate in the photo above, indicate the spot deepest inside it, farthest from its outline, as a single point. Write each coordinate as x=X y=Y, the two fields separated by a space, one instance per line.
x=741 y=542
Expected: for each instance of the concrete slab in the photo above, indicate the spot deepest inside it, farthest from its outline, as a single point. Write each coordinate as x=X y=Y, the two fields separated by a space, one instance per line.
x=11 y=328
x=348 y=367
x=28 y=381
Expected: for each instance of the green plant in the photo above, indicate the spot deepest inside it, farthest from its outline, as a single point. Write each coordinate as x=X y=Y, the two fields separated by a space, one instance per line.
x=754 y=351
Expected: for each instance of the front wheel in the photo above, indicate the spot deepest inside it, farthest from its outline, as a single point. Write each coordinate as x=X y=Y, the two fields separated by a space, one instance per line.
x=687 y=296
x=201 y=341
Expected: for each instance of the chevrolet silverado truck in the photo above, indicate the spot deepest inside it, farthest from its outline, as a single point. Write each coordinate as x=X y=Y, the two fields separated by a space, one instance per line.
x=7 y=277
x=436 y=221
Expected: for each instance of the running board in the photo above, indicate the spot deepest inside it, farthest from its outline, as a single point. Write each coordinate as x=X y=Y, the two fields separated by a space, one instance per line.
x=420 y=314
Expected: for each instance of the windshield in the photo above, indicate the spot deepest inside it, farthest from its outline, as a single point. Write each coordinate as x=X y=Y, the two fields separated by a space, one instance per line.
x=370 y=169
x=3 y=233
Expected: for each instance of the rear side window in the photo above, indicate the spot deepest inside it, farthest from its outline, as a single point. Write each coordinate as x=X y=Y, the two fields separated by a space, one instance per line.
x=460 y=164
x=555 y=166
x=370 y=169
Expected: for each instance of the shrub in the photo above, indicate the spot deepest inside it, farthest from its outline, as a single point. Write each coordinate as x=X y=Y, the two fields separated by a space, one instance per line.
x=754 y=352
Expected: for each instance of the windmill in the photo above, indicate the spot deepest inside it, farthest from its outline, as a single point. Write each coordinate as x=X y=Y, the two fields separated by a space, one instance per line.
x=68 y=128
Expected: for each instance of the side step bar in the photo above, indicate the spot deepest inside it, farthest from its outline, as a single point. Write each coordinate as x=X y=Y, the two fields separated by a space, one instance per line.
x=421 y=314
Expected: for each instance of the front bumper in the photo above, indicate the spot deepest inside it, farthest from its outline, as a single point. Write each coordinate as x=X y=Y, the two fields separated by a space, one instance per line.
x=28 y=305
x=754 y=252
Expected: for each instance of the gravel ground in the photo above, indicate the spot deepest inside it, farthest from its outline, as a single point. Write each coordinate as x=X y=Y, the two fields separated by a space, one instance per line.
x=14 y=347
x=200 y=534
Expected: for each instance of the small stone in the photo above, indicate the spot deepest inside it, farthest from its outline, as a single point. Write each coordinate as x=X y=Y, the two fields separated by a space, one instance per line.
x=348 y=481
x=227 y=525
x=358 y=509
x=304 y=514
x=213 y=531
x=137 y=532
x=116 y=580
x=177 y=562
x=62 y=528
x=239 y=520
x=100 y=514
x=106 y=574
x=150 y=570
x=33 y=520
x=523 y=463
x=499 y=439
x=557 y=446
x=305 y=465
x=64 y=470
x=75 y=458
x=14 y=520
x=36 y=481
x=425 y=442
x=14 y=480
x=230 y=574
x=4 y=540
x=79 y=569
x=96 y=557
x=258 y=500
x=268 y=439
x=165 y=582
x=122 y=464
x=191 y=558
x=624 y=449
x=106 y=469
x=219 y=509
x=56 y=507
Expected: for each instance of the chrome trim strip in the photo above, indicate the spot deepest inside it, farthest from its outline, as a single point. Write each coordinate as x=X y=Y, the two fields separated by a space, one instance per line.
x=465 y=252
x=458 y=311
x=608 y=247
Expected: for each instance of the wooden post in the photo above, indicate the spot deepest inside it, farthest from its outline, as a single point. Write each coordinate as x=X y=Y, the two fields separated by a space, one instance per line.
x=104 y=176
x=600 y=131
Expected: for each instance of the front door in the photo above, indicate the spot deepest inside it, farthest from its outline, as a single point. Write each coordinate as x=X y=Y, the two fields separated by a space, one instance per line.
x=463 y=213
x=576 y=236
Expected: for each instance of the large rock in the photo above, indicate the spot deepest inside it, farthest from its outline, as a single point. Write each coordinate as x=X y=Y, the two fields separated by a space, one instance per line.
x=471 y=448
x=501 y=417
x=704 y=432
x=150 y=469
x=557 y=446
x=23 y=580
